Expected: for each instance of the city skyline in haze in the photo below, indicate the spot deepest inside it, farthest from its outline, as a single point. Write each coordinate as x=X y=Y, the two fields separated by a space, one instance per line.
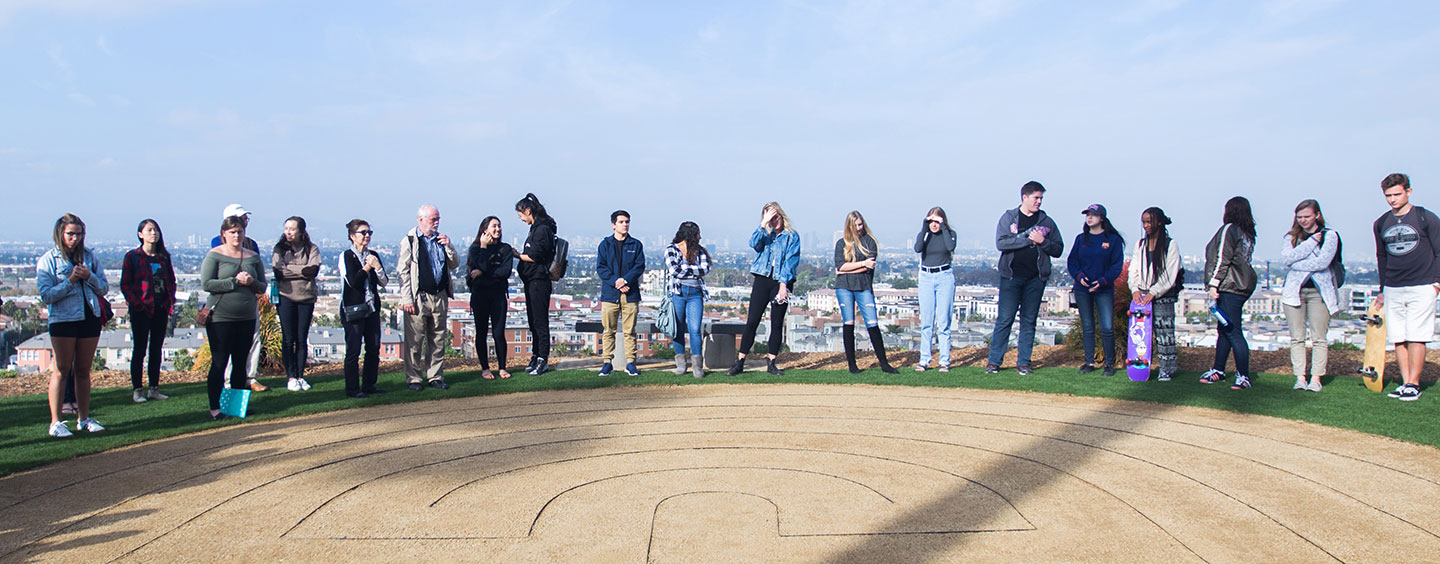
x=125 y=109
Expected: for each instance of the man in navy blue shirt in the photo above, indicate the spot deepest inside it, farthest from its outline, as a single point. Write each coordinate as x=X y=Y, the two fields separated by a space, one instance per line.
x=620 y=262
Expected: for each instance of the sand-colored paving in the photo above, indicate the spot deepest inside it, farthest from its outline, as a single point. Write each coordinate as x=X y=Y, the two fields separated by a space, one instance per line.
x=782 y=473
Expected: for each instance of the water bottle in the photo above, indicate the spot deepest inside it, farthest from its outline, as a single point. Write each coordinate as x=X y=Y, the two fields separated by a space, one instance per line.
x=274 y=292
x=1218 y=315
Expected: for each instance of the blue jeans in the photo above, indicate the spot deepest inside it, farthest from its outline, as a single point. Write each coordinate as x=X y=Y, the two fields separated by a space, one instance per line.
x=1231 y=337
x=690 y=312
x=937 y=302
x=1090 y=303
x=866 y=299
x=1023 y=295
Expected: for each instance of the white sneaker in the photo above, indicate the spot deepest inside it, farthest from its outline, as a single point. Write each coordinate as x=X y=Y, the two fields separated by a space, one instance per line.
x=138 y=396
x=89 y=425
x=304 y=386
x=293 y=385
x=1300 y=383
x=1314 y=384
x=58 y=429
x=156 y=395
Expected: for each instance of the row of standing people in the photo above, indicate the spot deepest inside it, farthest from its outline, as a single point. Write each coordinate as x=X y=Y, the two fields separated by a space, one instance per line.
x=73 y=287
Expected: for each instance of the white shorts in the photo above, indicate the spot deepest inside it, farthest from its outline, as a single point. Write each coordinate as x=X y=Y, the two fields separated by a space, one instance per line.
x=1410 y=314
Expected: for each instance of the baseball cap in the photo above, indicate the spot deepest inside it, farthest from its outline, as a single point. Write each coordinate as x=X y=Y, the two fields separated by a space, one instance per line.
x=1096 y=209
x=235 y=210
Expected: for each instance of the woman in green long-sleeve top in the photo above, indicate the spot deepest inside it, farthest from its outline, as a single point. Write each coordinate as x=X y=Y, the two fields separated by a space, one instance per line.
x=236 y=276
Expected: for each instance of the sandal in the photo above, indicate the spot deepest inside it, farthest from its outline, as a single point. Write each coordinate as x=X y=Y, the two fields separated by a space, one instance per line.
x=504 y=374
x=487 y=375
x=1211 y=376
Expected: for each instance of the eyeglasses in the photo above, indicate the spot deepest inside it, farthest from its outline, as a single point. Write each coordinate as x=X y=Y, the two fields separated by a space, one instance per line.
x=365 y=233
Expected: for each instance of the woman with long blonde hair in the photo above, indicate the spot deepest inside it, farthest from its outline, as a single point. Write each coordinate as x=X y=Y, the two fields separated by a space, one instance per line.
x=778 y=248
x=72 y=287
x=1309 y=294
x=855 y=255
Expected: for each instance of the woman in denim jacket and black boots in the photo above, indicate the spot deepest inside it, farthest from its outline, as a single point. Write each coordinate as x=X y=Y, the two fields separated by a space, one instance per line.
x=72 y=287
x=778 y=245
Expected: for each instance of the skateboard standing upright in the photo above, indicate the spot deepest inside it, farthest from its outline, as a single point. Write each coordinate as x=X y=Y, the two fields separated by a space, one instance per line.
x=1373 y=371
x=1137 y=353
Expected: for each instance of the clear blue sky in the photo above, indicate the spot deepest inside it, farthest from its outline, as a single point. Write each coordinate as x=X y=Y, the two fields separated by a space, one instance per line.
x=123 y=109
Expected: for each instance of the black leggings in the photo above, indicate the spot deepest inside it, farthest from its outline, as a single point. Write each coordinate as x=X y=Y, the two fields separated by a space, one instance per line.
x=367 y=332
x=537 y=312
x=762 y=293
x=294 y=335
x=147 y=333
x=229 y=341
x=489 y=307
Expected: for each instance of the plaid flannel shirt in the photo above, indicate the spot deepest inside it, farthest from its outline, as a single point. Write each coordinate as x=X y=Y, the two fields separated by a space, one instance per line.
x=136 y=283
x=680 y=268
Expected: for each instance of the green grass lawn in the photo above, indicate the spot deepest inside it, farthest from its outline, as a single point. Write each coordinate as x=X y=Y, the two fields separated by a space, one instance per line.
x=1344 y=402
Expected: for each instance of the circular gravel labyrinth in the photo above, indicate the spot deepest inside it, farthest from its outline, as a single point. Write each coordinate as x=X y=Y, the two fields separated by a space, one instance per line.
x=741 y=473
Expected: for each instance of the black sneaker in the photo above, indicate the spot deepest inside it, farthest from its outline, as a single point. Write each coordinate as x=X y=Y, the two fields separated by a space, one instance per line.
x=992 y=369
x=1086 y=369
x=1023 y=370
x=1410 y=393
x=541 y=366
x=530 y=368
x=416 y=386
x=439 y=385
x=1398 y=389
x=1109 y=371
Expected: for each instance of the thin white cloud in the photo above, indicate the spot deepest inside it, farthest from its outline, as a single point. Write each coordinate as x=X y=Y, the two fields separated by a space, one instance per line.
x=104 y=45
x=107 y=162
x=56 y=54
x=81 y=99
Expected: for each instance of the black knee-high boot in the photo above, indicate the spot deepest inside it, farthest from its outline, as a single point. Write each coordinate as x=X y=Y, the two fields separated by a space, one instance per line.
x=850 y=348
x=878 y=341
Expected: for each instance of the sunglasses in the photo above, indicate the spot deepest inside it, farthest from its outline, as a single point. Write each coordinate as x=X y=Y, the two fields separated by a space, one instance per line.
x=365 y=232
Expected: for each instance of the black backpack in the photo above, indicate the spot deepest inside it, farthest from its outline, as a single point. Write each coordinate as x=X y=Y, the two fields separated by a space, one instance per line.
x=561 y=262
x=1337 y=266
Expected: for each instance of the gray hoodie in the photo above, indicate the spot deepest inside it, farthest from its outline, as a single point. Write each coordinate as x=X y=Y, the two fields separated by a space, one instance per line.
x=1009 y=238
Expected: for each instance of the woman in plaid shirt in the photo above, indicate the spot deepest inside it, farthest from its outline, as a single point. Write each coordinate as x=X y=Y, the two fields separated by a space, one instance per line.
x=688 y=263
x=147 y=280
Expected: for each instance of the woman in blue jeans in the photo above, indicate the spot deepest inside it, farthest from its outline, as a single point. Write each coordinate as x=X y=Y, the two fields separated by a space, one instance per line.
x=688 y=263
x=936 y=245
x=1095 y=262
x=1230 y=280
x=854 y=287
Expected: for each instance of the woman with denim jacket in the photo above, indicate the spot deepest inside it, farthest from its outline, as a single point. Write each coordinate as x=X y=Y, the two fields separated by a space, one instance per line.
x=688 y=262
x=855 y=255
x=778 y=245
x=72 y=287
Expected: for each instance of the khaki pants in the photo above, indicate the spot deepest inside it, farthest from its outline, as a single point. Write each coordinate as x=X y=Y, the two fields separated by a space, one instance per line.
x=624 y=312
x=425 y=339
x=1312 y=309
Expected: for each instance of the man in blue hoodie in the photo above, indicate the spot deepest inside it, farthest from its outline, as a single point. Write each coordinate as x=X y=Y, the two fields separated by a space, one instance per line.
x=1027 y=240
x=620 y=262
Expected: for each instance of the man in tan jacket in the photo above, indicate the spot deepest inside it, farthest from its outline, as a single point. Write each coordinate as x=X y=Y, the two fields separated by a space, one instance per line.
x=426 y=259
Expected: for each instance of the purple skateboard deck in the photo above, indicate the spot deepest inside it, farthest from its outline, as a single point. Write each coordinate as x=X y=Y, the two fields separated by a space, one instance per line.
x=1137 y=353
